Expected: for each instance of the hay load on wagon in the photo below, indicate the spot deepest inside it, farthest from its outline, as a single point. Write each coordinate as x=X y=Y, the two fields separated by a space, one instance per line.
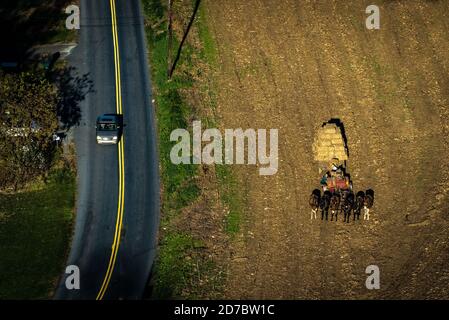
x=329 y=144
x=331 y=153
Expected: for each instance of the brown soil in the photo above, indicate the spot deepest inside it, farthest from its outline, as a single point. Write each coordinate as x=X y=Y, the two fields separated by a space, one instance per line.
x=293 y=65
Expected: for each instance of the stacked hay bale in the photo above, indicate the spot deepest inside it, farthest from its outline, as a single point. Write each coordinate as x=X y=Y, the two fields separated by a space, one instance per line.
x=329 y=146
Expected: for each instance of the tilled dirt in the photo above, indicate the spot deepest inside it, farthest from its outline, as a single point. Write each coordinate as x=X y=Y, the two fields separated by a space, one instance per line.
x=293 y=65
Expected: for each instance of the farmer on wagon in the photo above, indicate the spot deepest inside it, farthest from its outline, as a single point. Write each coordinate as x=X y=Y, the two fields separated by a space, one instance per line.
x=324 y=181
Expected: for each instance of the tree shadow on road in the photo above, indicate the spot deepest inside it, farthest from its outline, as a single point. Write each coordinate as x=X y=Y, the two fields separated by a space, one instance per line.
x=73 y=89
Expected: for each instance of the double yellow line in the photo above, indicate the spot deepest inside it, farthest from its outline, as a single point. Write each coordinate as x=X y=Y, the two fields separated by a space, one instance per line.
x=121 y=161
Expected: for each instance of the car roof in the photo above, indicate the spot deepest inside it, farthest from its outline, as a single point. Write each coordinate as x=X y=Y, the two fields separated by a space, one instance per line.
x=107 y=118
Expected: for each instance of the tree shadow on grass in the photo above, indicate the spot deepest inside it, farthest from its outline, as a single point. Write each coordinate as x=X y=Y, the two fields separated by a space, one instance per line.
x=26 y=23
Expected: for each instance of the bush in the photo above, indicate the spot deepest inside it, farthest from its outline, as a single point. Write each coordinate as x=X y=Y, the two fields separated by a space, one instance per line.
x=28 y=120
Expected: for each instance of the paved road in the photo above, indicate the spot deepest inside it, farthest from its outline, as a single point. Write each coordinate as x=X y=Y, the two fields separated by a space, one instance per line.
x=117 y=185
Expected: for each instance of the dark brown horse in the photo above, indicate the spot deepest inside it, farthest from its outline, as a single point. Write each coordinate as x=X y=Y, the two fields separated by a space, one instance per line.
x=335 y=206
x=348 y=205
x=368 y=203
x=358 y=205
x=324 y=204
x=314 y=202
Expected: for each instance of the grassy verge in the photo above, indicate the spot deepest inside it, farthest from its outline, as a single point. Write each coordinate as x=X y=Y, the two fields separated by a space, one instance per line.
x=209 y=51
x=173 y=268
x=231 y=197
x=35 y=229
x=182 y=268
x=230 y=192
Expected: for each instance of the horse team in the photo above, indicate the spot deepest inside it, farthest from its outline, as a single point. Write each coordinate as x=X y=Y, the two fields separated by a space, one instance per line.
x=343 y=202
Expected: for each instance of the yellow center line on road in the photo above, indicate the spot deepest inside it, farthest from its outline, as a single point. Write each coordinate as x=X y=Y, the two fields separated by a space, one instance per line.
x=121 y=161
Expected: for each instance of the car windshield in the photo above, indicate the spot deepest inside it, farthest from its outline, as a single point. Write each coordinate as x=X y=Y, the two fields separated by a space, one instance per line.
x=107 y=126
